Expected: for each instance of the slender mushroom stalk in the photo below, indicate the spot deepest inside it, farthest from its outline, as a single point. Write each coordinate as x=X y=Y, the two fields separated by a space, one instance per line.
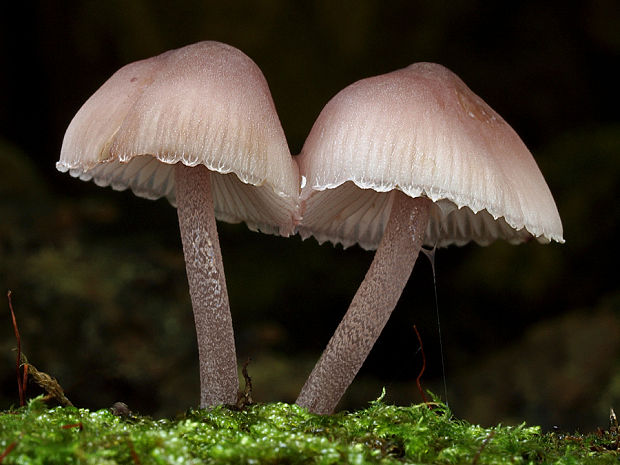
x=207 y=286
x=371 y=307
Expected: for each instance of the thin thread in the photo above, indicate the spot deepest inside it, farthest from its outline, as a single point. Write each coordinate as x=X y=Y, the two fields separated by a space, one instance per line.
x=430 y=254
x=417 y=380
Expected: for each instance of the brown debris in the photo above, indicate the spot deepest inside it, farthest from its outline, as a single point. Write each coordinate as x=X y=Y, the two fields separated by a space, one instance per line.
x=245 y=398
x=48 y=383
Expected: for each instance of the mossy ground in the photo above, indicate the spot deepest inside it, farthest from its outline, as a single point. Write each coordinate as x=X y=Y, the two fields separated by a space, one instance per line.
x=280 y=433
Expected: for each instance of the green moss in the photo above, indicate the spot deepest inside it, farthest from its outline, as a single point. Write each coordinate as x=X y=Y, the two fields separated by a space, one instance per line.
x=280 y=433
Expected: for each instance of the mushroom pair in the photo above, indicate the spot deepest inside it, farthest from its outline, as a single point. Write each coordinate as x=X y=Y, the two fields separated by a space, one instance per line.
x=393 y=162
x=196 y=125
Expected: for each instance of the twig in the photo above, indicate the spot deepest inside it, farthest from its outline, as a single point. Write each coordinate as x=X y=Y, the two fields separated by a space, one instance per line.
x=132 y=451
x=417 y=380
x=79 y=425
x=247 y=391
x=21 y=379
x=245 y=398
x=485 y=441
x=8 y=450
x=25 y=380
x=50 y=384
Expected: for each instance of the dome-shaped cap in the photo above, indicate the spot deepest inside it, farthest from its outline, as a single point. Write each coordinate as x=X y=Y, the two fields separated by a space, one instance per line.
x=423 y=131
x=206 y=103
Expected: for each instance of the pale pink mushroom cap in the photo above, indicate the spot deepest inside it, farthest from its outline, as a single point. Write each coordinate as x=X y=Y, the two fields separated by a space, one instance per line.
x=206 y=103
x=423 y=131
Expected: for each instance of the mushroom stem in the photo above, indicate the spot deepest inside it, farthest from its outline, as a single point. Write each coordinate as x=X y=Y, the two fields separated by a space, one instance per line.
x=219 y=382
x=371 y=307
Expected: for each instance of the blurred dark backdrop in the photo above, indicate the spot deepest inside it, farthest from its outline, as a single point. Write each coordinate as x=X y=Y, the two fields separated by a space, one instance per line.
x=530 y=332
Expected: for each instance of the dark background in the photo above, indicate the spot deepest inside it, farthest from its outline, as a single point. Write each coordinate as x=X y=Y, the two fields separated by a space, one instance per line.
x=530 y=333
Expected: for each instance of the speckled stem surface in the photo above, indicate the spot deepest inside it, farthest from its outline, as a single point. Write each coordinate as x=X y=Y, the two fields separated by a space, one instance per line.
x=207 y=286
x=371 y=307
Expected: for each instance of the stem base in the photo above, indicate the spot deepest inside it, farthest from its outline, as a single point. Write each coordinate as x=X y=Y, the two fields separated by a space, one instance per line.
x=371 y=307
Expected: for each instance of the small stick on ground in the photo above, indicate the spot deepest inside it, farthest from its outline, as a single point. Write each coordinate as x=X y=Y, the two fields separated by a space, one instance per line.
x=8 y=450
x=52 y=387
x=417 y=380
x=245 y=398
x=25 y=380
x=21 y=378
x=79 y=425
x=485 y=441
x=132 y=451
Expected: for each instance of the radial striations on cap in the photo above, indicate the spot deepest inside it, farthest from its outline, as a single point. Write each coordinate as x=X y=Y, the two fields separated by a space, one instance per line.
x=423 y=131
x=206 y=103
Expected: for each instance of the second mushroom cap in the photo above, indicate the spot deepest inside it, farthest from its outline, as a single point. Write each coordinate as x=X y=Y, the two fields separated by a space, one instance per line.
x=422 y=131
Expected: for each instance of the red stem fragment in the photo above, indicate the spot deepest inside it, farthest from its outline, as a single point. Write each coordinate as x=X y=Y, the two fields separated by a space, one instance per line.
x=8 y=450
x=25 y=380
x=134 y=454
x=417 y=380
x=20 y=378
x=79 y=425
x=485 y=441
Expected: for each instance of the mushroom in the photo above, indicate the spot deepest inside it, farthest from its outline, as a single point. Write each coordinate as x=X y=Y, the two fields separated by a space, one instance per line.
x=401 y=160
x=196 y=125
